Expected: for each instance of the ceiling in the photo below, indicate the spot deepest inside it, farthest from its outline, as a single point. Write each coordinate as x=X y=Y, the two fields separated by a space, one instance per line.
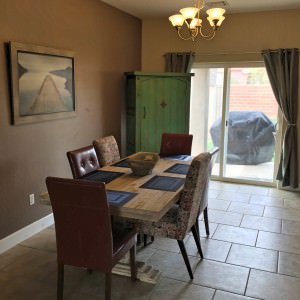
x=164 y=8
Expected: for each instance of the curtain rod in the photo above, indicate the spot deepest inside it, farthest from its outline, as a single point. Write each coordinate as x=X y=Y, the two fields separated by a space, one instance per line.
x=236 y=52
x=226 y=53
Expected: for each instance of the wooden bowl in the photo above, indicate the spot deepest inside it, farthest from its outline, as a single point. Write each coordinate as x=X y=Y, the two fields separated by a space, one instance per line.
x=143 y=163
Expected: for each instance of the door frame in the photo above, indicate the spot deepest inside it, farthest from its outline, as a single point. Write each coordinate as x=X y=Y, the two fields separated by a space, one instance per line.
x=225 y=107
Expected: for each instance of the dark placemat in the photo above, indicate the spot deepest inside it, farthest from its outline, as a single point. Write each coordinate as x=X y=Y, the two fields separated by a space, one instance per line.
x=164 y=183
x=119 y=198
x=103 y=176
x=179 y=157
x=178 y=169
x=122 y=163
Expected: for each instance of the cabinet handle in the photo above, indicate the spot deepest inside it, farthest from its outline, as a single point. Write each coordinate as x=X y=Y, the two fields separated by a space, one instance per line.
x=144 y=112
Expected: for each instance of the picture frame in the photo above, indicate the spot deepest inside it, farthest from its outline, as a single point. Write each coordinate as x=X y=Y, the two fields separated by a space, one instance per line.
x=42 y=83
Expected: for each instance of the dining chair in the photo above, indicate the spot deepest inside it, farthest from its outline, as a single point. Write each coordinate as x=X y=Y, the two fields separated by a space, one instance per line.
x=182 y=217
x=107 y=150
x=84 y=234
x=83 y=161
x=175 y=144
x=204 y=202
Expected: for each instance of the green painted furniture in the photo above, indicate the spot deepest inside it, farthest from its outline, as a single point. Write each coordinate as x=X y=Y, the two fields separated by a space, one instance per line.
x=155 y=103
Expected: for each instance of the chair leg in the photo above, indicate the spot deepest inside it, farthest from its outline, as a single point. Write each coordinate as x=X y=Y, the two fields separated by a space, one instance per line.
x=197 y=226
x=108 y=286
x=197 y=240
x=60 y=281
x=185 y=257
x=146 y=238
x=133 y=269
x=138 y=239
x=205 y=216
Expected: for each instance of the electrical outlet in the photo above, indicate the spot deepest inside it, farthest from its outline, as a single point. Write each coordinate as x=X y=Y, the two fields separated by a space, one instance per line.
x=31 y=199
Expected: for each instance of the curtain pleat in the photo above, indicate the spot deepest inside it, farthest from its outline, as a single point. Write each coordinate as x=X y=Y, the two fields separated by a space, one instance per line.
x=179 y=62
x=283 y=70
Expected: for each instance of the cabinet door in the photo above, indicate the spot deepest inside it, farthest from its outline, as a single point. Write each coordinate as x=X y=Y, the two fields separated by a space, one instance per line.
x=163 y=107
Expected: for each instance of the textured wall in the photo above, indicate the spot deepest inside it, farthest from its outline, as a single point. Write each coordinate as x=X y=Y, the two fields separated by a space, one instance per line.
x=106 y=43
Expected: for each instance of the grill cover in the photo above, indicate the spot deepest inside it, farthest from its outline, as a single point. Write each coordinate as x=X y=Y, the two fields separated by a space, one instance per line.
x=250 y=137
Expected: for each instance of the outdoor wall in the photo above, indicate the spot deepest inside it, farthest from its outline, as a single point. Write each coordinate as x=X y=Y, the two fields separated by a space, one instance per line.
x=106 y=42
x=241 y=38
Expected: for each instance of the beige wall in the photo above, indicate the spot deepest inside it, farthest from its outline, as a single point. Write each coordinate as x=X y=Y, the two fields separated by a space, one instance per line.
x=239 y=33
x=106 y=43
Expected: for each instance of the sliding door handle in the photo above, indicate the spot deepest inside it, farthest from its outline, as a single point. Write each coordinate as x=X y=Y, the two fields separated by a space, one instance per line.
x=144 y=112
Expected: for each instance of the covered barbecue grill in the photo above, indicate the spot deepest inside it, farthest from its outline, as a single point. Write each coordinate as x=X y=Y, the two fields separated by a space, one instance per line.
x=250 y=137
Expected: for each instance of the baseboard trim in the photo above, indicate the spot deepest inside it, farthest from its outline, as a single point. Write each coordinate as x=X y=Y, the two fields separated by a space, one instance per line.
x=24 y=233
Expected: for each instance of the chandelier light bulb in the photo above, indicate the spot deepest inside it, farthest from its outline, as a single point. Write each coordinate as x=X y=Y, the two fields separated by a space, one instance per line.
x=189 y=12
x=195 y=23
x=177 y=20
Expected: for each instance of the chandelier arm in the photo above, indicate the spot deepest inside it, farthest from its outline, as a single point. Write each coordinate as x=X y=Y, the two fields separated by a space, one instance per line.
x=184 y=38
x=208 y=36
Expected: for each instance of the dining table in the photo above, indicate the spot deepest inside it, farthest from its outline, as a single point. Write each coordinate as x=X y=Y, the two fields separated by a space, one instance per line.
x=145 y=198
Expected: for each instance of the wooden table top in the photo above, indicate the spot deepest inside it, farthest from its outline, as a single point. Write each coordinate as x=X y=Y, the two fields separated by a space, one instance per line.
x=148 y=204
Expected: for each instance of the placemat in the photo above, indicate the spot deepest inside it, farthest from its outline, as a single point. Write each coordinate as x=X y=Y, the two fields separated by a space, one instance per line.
x=119 y=198
x=164 y=183
x=122 y=163
x=179 y=157
x=178 y=169
x=103 y=176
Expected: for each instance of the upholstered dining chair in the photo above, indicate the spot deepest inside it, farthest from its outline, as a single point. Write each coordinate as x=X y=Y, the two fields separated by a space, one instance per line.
x=182 y=217
x=107 y=150
x=83 y=161
x=84 y=234
x=204 y=202
x=175 y=144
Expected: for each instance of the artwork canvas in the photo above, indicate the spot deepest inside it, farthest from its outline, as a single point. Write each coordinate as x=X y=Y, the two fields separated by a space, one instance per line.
x=42 y=83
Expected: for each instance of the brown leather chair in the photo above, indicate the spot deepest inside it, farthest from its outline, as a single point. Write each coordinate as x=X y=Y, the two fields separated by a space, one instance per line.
x=204 y=202
x=84 y=236
x=83 y=161
x=175 y=144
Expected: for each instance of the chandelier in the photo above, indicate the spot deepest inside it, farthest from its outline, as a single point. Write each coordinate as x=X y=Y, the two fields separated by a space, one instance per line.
x=189 y=25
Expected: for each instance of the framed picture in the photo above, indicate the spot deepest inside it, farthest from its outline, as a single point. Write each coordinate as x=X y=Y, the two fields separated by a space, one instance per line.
x=42 y=81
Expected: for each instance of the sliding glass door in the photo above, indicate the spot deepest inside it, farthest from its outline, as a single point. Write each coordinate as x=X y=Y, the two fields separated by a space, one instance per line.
x=233 y=108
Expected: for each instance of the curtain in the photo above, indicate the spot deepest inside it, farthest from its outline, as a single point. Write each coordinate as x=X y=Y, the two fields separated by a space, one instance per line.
x=179 y=62
x=283 y=67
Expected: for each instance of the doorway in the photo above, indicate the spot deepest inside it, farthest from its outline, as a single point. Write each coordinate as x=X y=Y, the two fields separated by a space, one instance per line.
x=233 y=108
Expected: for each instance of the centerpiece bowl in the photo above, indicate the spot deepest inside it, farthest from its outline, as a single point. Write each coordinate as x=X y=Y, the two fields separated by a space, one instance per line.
x=142 y=163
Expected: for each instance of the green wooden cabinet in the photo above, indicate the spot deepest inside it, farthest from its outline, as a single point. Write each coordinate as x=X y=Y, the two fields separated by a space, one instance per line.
x=155 y=103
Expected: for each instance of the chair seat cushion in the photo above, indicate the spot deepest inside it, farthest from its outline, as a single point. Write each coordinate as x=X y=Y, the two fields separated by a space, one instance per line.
x=167 y=226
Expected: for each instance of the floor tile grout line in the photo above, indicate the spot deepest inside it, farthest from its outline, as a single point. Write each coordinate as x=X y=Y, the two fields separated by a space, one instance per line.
x=247 y=281
x=259 y=247
x=239 y=226
x=228 y=252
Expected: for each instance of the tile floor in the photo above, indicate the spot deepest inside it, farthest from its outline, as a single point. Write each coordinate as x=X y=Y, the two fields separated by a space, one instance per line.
x=253 y=252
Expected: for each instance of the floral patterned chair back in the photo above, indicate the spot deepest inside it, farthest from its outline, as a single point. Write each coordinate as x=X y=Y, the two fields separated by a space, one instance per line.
x=107 y=150
x=191 y=196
